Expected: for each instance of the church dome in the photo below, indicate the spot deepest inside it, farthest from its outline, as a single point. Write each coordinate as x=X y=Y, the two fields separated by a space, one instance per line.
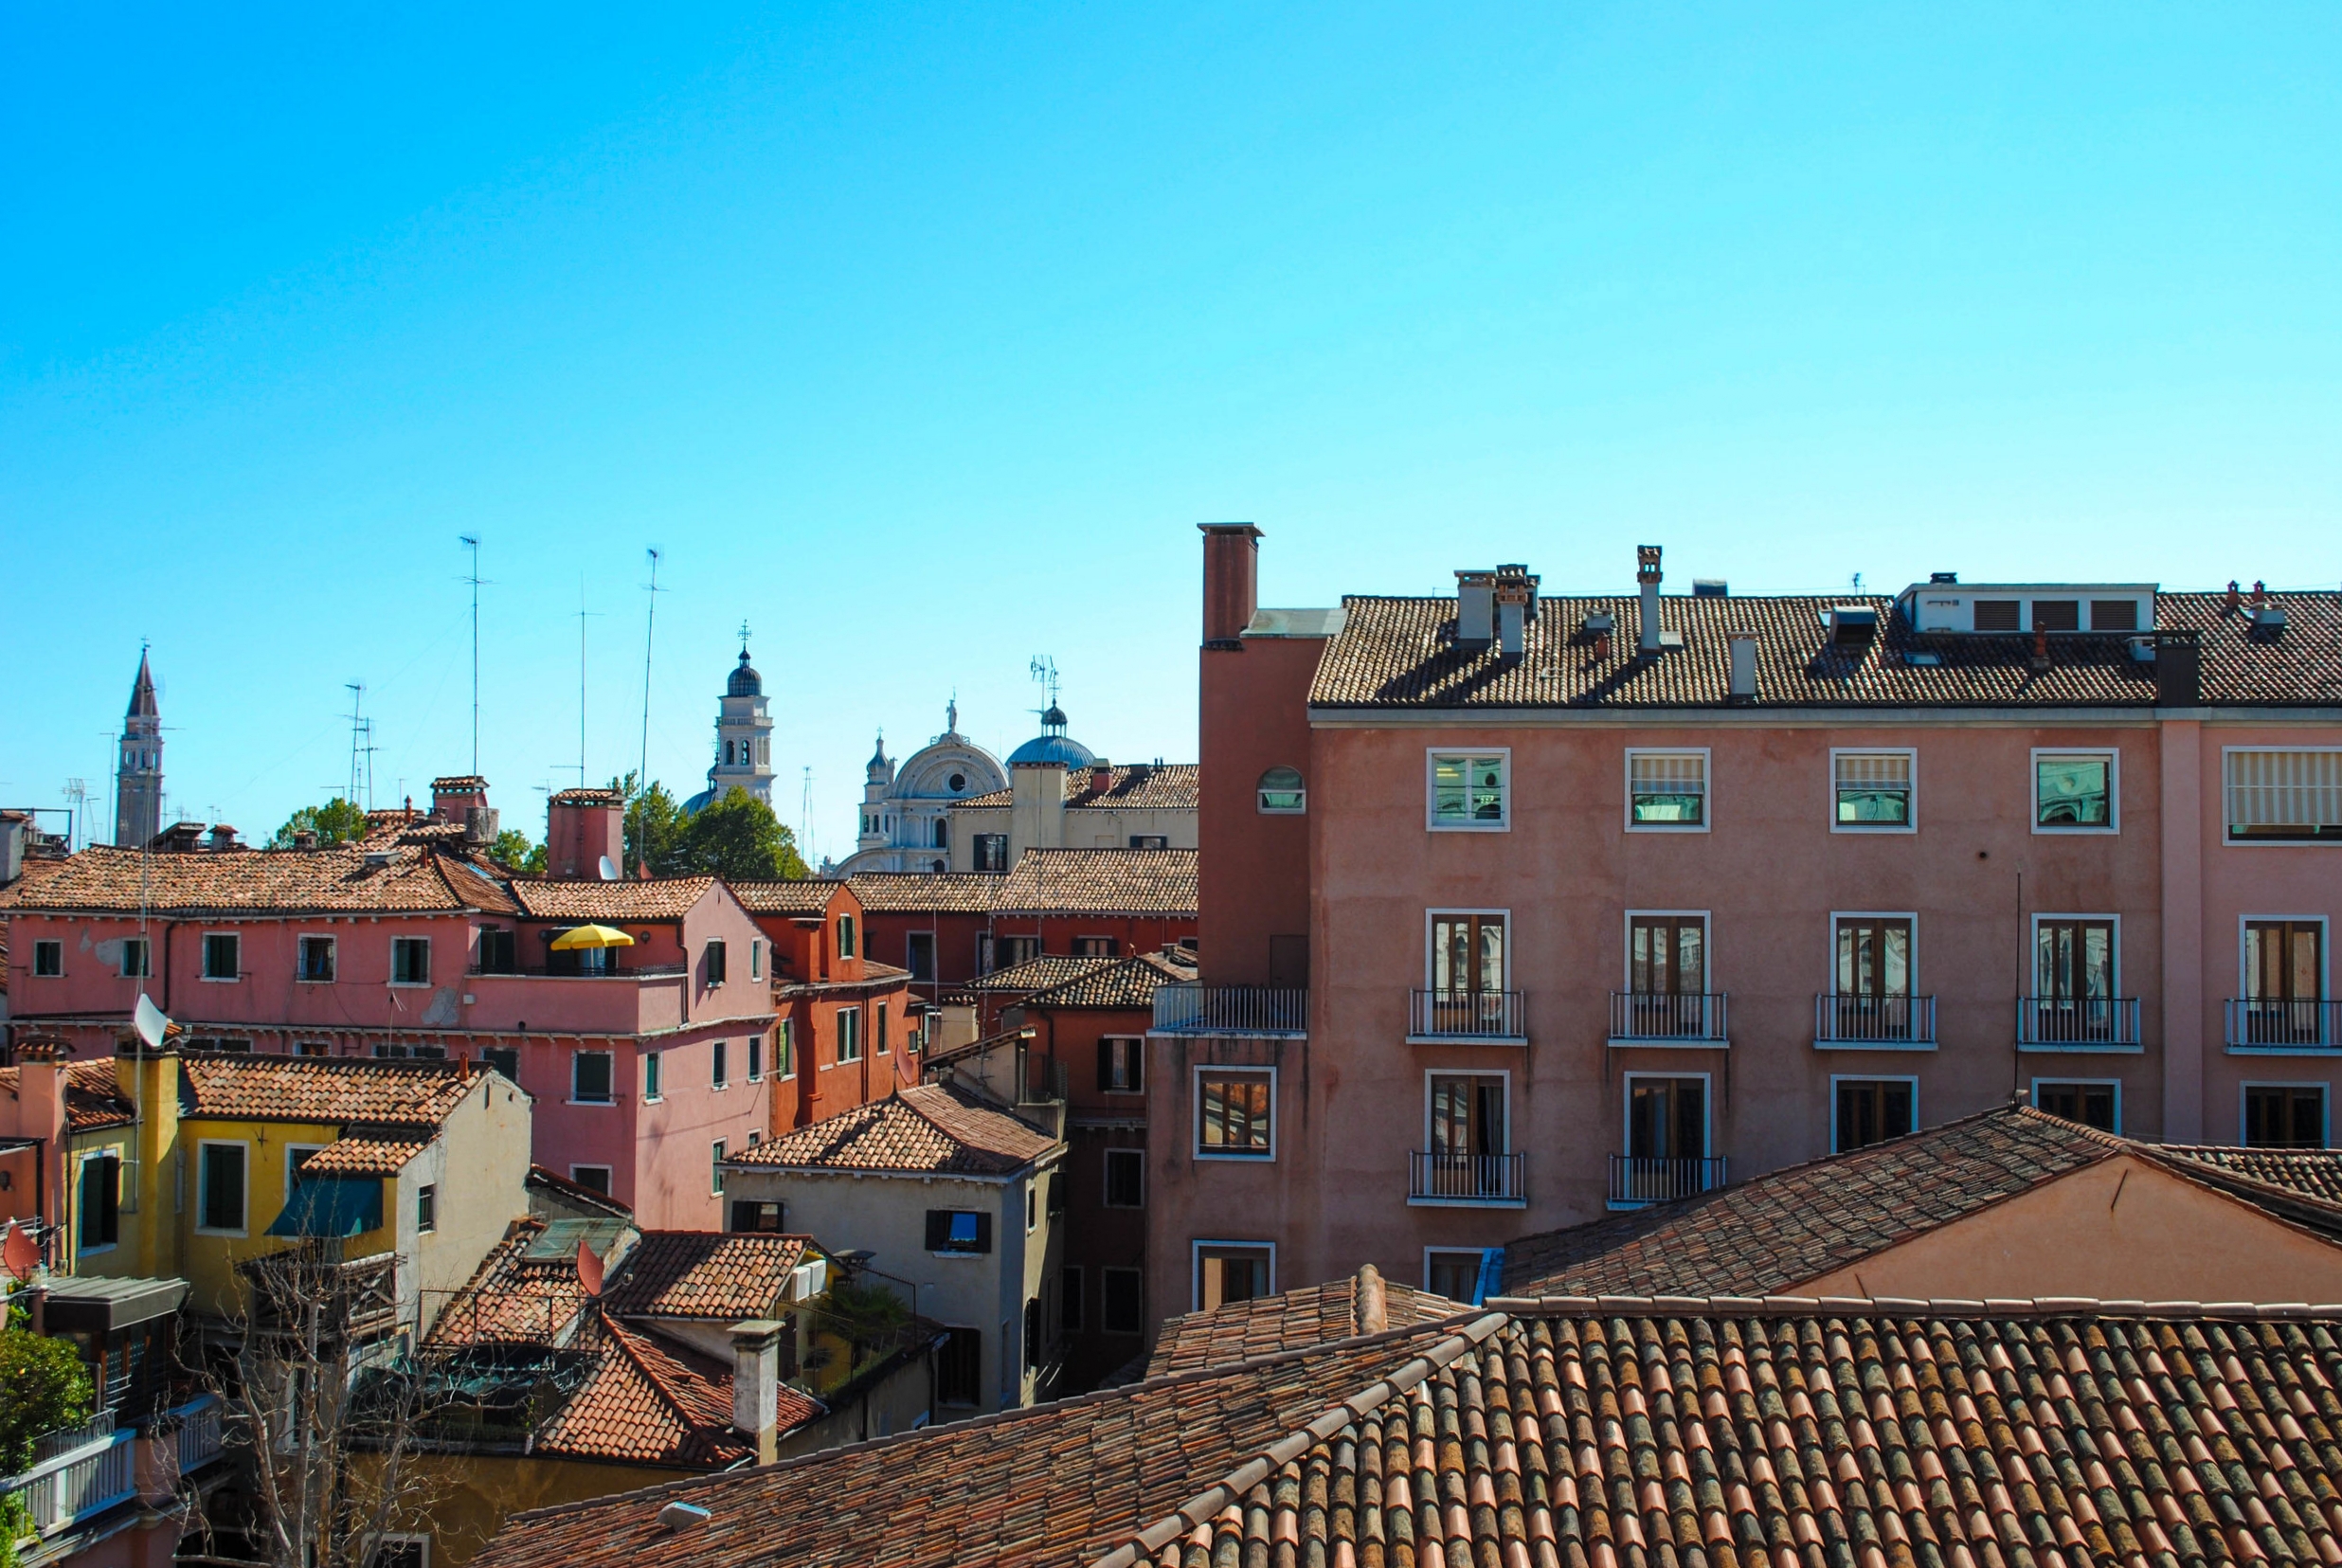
x=744 y=681
x=1052 y=744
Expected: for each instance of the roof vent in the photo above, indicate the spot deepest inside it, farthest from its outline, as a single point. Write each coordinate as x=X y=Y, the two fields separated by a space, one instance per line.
x=1710 y=587
x=1602 y=623
x=1475 y=608
x=377 y=858
x=2142 y=650
x=678 y=1516
x=2268 y=621
x=1852 y=625
x=1943 y=577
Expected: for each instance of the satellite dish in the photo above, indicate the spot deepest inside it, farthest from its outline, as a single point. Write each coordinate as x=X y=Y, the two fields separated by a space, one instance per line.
x=150 y=1023
x=589 y=1268
x=19 y=1254
x=609 y=872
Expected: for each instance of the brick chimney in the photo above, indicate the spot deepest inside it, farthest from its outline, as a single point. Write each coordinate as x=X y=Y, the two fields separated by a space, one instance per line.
x=1647 y=578
x=1101 y=776
x=1231 y=586
x=223 y=837
x=452 y=795
x=756 y=1383
x=582 y=826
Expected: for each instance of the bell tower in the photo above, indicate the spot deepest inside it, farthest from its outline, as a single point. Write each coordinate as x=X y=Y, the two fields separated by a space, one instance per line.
x=743 y=733
x=138 y=770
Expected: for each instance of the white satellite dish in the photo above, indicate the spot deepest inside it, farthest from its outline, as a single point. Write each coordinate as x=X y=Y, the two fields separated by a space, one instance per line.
x=150 y=1023
x=609 y=872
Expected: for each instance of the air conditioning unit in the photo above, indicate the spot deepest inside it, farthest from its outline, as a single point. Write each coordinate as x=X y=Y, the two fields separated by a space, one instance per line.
x=810 y=1279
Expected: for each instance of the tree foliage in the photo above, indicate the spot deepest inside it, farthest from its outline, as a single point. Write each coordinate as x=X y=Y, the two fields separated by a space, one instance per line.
x=653 y=821
x=48 y=1388
x=337 y=821
x=514 y=851
x=737 y=839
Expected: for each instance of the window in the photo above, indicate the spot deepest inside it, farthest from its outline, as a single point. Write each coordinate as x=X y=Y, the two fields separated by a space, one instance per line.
x=845 y=936
x=962 y=1231
x=2284 y=981
x=1870 y=1110
x=1033 y=1209
x=1468 y=953
x=849 y=1034
x=654 y=1077
x=1996 y=615
x=756 y=1059
x=316 y=959
x=320 y=1048
x=1233 y=1270
x=715 y=1167
x=592 y=1177
x=1013 y=950
x=1873 y=1000
x=749 y=1215
x=401 y=1053
x=985 y=957
x=398 y=1551
x=2073 y=980
x=1470 y=791
x=2093 y=1104
x=498 y=955
x=959 y=1368
x=135 y=964
x=504 y=1058
x=1666 y=1118
x=1233 y=1111
x=48 y=959
x=223 y=955
x=1667 y=790
x=719 y=1065
x=410 y=960
x=1667 y=975
x=297 y=1158
x=1871 y=790
x=1453 y=1274
x=2073 y=793
x=714 y=962
x=1069 y=1300
x=989 y=851
x=204 y=1042
x=1280 y=792
x=878 y=1041
x=1033 y=1331
x=590 y=1077
x=2114 y=615
x=2057 y=615
x=1122 y=1301
x=919 y=955
x=756 y=960
x=98 y=1216
x=1096 y=946
x=1150 y=840
x=220 y=1188
x=1125 y=1179
x=1122 y=1065
x=2286 y=1116
x=784 y=1049
x=427 y=1208
x=2284 y=796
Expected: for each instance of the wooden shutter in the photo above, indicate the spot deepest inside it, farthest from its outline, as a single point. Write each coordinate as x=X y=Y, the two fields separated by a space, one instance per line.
x=938 y=1230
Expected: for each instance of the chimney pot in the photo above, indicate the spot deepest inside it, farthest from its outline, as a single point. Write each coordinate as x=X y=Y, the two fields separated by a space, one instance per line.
x=1101 y=776
x=2229 y=603
x=1231 y=582
x=1475 y=610
x=1647 y=577
x=756 y=1379
x=304 y=839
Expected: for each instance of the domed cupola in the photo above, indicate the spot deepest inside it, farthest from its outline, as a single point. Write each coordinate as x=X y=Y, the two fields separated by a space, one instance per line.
x=1052 y=744
x=744 y=681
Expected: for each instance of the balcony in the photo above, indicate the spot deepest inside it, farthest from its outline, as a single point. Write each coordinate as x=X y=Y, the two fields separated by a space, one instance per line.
x=1667 y=1017
x=2077 y=1023
x=77 y=1483
x=1495 y=1180
x=1190 y=1007
x=1636 y=1181
x=572 y=971
x=1881 y=1023
x=1467 y=1018
x=2282 y=1025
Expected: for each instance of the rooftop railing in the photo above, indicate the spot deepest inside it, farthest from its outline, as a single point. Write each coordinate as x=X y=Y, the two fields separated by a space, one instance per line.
x=1687 y=1018
x=1188 y=1007
x=2284 y=1023
x=1468 y=1016
x=2077 y=1020
x=1841 y=1020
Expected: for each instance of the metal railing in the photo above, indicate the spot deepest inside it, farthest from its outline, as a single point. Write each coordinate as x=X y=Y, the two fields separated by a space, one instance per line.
x=1666 y=1016
x=1636 y=1178
x=1193 y=1008
x=554 y=971
x=1468 y=1015
x=66 y=1439
x=78 y=1484
x=1467 y=1177
x=2284 y=1022
x=2077 y=1020
x=1887 y=1021
x=200 y=1435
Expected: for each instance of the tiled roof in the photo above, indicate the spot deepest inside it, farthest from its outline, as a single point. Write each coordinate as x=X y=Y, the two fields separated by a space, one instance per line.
x=2309 y=1173
x=668 y=898
x=704 y=1274
x=1170 y=786
x=94 y=1100
x=1400 y=653
x=1316 y=1315
x=934 y=1130
x=1793 y=1225
x=1039 y=973
x=362 y=1156
x=512 y=1298
x=806 y=896
x=577 y=1194
x=1610 y=1433
x=653 y=1403
x=1127 y=983
x=917 y=892
x=105 y=879
x=320 y=1089
x=1101 y=882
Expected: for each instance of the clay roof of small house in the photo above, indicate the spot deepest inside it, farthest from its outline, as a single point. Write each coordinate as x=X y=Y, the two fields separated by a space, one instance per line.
x=2310 y=1173
x=577 y=1193
x=102 y=879
x=328 y=1090
x=1039 y=973
x=1154 y=882
x=804 y=896
x=512 y=1298
x=360 y=1155
x=666 y=898
x=1123 y=985
x=1314 y=1315
x=1400 y=653
x=918 y=893
x=1574 y=1431
x=929 y=1129
x=704 y=1274
x=94 y=1100
x=652 y=1402
x=1168 y=786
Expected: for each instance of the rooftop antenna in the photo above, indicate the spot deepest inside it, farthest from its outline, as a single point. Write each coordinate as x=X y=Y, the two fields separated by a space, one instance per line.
x=471 y=542
x=1045 y=670
x=643 y=774
x=77 y=792
x=582 y=614
x=361 y=746
x=804 y=822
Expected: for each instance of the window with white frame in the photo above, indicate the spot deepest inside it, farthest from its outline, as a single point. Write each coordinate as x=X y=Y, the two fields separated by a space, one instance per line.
x=1667 y=790
x=1235 y=1112
x=48 y=959
x=592 y=1177
x=220 y=1187
x=316 y=958
x=2289 y=794
x=719 y=1064
x=849 y=1034
x=223 y=955
x=410 y=960
x=654 y=1077
x=1282 y=793
x=1471 y=790
x=1230 y=1271
x=756 y=1059
x=2074 y=792
x=1872 y=790
x=2096 y=1103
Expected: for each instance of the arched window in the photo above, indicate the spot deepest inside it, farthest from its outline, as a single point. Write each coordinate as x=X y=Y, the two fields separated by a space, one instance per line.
x=1280 y=792
x=727 y=753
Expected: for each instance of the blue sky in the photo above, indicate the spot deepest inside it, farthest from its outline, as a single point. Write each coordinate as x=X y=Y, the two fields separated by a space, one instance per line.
x=920 y=339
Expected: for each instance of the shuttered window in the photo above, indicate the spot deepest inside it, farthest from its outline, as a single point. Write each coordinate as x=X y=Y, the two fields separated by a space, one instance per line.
x=2291 y=794
x=1873 y=788
x=1666 y=788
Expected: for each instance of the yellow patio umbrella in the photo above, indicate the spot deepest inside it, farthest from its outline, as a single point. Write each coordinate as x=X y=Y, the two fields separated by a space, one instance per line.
x=591 y=936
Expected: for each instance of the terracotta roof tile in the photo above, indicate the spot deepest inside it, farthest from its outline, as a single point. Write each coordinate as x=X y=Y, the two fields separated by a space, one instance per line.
x=1400 y=653
x=917 y=892
x=1172 y=786
x=1121 y=984
x=668 y=898
x=1039 y=973
x=320 y=1089
x=938 y=1130
x=103 y=879
x=364 y=1156
x=806 y=896
x=94 y=1100
x=2310 y=1173
x=514 y=1299
x=577 y=1194
x=1101 y=882
x=1316 y=1315
x=652 y=1403
x=704 y=1274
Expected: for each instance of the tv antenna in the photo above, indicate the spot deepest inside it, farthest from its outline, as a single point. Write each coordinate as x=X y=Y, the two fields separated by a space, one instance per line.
x=76 y=794
x=1045 y=670
x=582 y=614
x=361 y=745
x=804 y=820
x=471 y=542
x=643 y=774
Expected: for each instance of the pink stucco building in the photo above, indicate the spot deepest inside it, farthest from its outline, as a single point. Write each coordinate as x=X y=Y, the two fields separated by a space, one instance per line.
x=646 y=1064
x=1518 y=907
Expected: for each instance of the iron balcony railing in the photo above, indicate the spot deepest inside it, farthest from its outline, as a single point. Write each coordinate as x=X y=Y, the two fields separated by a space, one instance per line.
x=1468 y=1015
x=1467 y=1177
x=1636 y=1178
x=1190 y=1007
x=1883 y=1020
x=81 y=1435
x=2077 y=1020
x=2284 y=1022
x=1666 y=1016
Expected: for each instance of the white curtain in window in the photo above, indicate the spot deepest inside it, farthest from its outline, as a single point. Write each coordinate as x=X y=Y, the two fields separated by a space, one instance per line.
x=2285 y=788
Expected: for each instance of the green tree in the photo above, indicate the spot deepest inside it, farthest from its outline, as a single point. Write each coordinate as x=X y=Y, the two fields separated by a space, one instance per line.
x=337 y=821
x=514 y=851
x=653 y=821
x=867 y=1317
x=738 y=839
x=48 y=1388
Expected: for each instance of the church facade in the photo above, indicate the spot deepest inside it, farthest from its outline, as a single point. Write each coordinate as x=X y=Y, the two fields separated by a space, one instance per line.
x=906 y=822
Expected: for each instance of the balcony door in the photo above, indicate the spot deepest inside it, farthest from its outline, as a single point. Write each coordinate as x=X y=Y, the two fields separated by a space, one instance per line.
x=1468 y=1135
x=1667 y=1119
x=2074 y=979
x=1667 y=978
x=1467 y=973
x=1874 y=978
x=2284 y=981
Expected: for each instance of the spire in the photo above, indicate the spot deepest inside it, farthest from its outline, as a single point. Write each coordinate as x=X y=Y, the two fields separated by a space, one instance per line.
x=878 y=757
x=142 y=690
